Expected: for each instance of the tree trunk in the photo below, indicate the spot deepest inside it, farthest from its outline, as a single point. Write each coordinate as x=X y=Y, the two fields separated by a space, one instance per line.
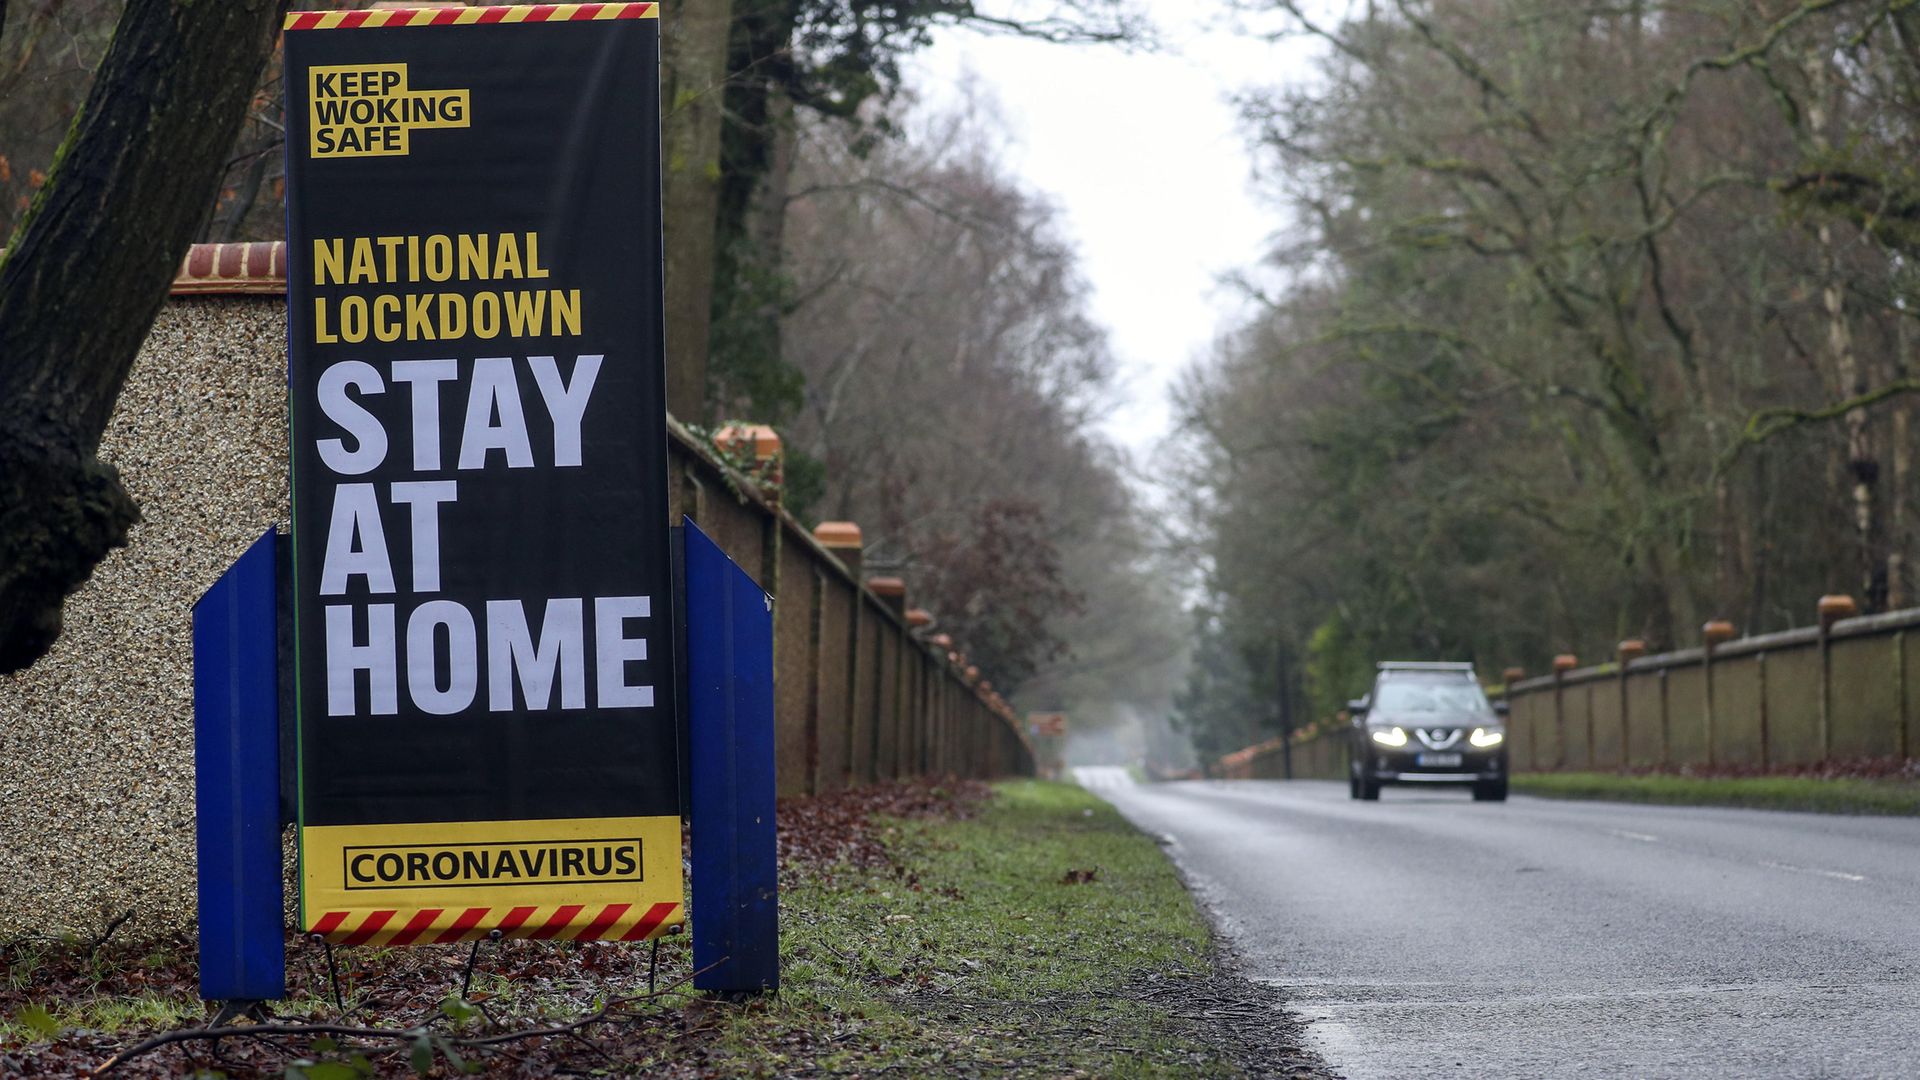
x=768 y=220
x=1284 y=696
x=92 y=265
x=1761 y=512
x=694 y=41
x=1897 y=538
x=1731 y=569
x=246 y=194
x=1862 y=465
x=1897 y=506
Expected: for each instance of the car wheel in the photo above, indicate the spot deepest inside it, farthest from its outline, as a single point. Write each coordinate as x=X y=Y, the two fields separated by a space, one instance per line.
x=1365 y=786
x=1490 y=790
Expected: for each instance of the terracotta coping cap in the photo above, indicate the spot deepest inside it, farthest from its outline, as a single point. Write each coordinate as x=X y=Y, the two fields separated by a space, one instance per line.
x=942 y=640
x=893 y=586
x=258 y=269
x=1717 y=630
x=1566 y=661
x=1631 y=648
x=1513 y=675
x=1837 y=606
x=837 y=534
x=764 y=440
x=918 y=616
x=972 y=673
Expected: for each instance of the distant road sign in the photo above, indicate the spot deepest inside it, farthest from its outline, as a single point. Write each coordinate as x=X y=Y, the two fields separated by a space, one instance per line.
x=1051 y=724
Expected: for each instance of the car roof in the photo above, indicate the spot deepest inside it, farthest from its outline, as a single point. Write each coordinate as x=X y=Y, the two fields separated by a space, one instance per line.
x=1388 y=667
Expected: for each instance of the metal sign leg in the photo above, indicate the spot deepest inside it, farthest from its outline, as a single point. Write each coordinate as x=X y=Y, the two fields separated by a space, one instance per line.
x=735 y=901
x=236 y=757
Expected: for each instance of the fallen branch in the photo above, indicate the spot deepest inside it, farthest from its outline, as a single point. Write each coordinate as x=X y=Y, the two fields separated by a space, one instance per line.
x=114 y=924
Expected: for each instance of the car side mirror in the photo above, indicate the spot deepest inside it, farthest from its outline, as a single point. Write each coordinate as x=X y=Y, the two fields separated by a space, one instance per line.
x=1501 y=708
x=1358 y=706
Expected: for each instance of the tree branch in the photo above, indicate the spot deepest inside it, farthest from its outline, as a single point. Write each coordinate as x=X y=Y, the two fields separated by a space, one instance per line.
x=1767 y=423
x=1476 y=74
x=276 y=1031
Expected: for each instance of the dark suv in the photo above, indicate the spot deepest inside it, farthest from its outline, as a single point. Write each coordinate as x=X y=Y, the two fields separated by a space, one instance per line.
x=1427 y=724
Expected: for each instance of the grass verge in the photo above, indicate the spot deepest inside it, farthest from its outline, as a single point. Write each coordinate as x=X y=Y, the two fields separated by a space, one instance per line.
x=1030 y=933
x=1828 y=796
x=1043 y=937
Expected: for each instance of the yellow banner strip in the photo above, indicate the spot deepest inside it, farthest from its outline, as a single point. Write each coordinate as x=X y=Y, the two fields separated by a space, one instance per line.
x=469 y=16
x=443 y=926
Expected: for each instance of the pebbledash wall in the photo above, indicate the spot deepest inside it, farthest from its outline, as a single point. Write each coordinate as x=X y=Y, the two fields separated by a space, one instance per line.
x=1845 y=689
x=96 y=740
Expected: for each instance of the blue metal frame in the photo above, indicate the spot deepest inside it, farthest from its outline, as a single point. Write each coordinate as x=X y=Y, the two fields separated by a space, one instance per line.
x=236 y=757
x=731 y=782
x=735 y=883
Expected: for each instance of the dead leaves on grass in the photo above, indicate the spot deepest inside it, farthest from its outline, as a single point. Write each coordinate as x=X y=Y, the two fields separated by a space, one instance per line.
x=527 y=983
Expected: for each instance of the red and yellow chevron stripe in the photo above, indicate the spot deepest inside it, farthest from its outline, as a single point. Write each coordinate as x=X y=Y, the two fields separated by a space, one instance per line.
x=472 y=16
x=443 y=926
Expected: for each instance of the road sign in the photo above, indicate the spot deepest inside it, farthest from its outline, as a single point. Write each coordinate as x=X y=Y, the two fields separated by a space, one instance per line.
x=482 y=591
x=1047 y=724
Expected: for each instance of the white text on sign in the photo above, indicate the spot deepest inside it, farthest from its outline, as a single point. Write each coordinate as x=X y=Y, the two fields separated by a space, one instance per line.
x=571 y=653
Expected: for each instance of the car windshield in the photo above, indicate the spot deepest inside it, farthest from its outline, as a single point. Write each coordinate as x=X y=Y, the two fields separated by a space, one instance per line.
x=1423 y=696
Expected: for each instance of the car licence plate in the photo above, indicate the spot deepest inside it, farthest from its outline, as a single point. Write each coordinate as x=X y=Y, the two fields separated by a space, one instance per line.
x=1437 y=760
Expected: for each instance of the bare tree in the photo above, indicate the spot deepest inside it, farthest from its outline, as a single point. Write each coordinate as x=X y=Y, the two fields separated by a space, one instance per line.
x=1598 y=327
x=953 y=382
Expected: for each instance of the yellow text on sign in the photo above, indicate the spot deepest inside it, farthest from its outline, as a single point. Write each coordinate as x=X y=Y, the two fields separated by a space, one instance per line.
x=369 y=110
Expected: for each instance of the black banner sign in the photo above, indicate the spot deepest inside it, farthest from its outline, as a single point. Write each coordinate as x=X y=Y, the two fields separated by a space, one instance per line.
x=476 y=386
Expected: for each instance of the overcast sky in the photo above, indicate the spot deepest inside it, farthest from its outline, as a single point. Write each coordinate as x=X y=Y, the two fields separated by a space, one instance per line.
x=1144 y=154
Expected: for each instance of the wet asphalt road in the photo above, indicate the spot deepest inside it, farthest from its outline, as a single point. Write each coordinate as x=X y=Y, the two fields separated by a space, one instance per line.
x=1430 y=936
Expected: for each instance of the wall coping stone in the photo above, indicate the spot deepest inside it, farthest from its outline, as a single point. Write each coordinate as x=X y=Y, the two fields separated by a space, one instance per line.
x=1887 y=622
x=1884 y=623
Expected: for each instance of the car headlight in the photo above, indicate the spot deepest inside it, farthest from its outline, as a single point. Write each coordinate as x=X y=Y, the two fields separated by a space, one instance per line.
x=1394 y=737
x=1483 y=738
